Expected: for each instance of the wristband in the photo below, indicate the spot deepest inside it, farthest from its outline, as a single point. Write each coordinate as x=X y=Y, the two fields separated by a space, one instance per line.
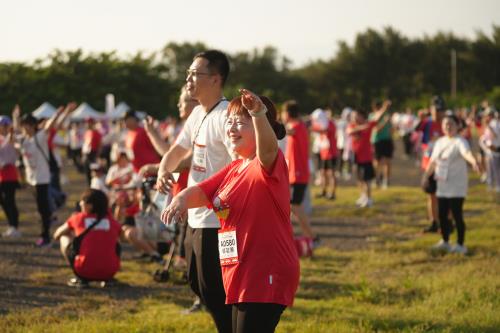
x=256 y=114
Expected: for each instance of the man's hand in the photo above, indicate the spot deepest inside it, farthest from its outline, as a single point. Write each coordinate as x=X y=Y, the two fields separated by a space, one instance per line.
x=149 y=170
x=164 y=182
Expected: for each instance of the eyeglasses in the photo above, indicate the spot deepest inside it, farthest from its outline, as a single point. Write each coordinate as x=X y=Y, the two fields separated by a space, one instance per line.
x=195 y=74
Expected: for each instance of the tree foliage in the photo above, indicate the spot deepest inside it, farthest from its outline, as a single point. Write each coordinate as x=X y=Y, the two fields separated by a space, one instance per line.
x=379 y=64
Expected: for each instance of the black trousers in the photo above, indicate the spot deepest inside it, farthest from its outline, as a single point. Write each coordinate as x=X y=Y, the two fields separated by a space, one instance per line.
x=205 y=276
x=8 y=202
x=456 y=207
x=43 y=205
x=256 y=317
x=88 y=160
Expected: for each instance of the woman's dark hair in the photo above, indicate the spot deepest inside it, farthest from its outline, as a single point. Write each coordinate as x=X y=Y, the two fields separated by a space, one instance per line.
x=454 y=118
x=29 y=119
x=292 y=108
x=98 y=200
x=236 y=107
x=217 y=63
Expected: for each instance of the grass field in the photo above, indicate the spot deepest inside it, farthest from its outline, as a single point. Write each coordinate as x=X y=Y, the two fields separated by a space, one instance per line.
x=393 y=283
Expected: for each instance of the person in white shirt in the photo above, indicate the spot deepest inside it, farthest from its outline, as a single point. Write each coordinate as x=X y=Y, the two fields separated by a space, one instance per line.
x=490 y=143
x=34 y=149
x=448 y=162
x=204 y=135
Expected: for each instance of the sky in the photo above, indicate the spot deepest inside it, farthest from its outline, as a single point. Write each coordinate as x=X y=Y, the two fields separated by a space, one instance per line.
x=303 y=31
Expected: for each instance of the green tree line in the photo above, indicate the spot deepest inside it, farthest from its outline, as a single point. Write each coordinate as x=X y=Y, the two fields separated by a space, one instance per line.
x=379 y=64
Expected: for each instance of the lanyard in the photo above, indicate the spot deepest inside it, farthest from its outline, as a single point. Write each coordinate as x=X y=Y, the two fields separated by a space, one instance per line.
x=204 y=117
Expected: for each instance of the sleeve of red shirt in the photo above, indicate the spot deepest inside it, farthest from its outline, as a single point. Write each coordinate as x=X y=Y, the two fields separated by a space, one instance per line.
x=71 y=221
x=210 y=185
x=274 y=172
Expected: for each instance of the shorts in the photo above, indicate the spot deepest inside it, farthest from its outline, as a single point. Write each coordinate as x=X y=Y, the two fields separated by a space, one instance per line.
x=327 y=164
x=297 y=193
x=384 y=148
x=431 y=187
x=129 y=220
x=365 y=171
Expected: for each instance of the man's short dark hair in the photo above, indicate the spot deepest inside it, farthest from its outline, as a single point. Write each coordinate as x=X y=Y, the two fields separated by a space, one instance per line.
x=438 y=102
x=292 y=108
x=217 y=63
x=28 y=119
x=130 y=114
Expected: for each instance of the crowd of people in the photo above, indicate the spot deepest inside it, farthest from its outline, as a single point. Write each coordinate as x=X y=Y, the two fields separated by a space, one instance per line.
x=238 y=172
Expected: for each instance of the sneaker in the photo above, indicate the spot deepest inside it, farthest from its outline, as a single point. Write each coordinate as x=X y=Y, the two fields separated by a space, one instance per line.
x=483 y=178
x=320 y=195
x=432 y=228
x=78 y=283
x=442 y=246
x=11 y=232
x=385 y=184
x=460 y=249
x=361 y=200
x=108 y=283
x=367 y=203
x=331 y=196
x=42 y=243
x=196 y=307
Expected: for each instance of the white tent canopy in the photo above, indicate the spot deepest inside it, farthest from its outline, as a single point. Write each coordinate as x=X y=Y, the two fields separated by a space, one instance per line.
x=46 y=110
x=85 y=111
x=119 y=111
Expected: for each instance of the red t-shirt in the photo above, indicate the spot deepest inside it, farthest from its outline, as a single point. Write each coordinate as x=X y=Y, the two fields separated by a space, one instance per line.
x=144 y=153
x=50 y=138
x=98 y=259
x=361 y=145
x=8 y=173
x=92 y=140
x=297 y=153
x=256 y=205
x=181 y=182
x=329 y=152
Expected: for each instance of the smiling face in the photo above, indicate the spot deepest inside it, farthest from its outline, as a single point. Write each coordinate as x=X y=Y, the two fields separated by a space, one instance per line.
x=449 y=127
x=241 y=133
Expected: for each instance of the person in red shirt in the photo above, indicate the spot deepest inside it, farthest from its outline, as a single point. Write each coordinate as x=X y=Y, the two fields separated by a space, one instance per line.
x=138 y=142
x=360 y=130
x=8 y=177
x=327 y=157
x=259 y=261
x=431 y=131
x=92 y=142
x=297 y=157
x=98 y=258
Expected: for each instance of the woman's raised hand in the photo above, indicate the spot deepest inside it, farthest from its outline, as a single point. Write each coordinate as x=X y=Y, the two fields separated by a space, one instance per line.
x=250 y=101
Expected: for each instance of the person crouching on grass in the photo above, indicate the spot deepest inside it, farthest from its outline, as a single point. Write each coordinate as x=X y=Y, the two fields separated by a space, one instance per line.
x=259 y=261
x=98 y=258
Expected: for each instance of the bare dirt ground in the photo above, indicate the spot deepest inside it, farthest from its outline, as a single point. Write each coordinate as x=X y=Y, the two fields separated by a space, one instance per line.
x=21 y=262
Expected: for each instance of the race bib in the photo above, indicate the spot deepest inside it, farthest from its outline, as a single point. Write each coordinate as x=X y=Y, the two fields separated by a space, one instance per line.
x=228 y=247
x=200 y=158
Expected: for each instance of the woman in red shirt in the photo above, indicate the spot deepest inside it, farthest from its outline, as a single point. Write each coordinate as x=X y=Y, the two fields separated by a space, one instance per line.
x=98 y=258
x=260 y=266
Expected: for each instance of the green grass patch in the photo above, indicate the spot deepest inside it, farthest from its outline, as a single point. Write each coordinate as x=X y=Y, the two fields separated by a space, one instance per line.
x=395 y=285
